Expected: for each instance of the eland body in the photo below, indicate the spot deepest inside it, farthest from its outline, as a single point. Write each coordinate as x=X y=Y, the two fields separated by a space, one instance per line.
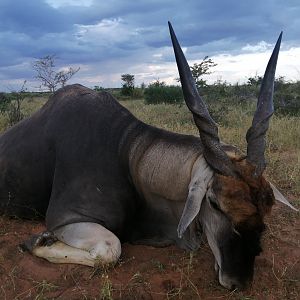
x=100 y=177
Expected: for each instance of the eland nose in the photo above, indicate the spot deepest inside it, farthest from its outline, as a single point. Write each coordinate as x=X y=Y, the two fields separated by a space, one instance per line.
x=238 y=286
x=231 y=283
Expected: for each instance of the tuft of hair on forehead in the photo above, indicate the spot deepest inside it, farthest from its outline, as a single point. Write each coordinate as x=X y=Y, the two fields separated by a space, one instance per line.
x=234 y=198
x=260 y=189
x=245 y=199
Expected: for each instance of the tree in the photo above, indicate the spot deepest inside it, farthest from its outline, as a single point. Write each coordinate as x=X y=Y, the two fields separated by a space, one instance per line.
x=128 y=84
x=255 y=81
x=200 y=69
x=48 y=76
x=98 y=88
x=157 y=83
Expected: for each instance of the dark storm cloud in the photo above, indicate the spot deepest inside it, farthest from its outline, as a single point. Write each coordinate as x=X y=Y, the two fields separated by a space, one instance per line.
x=32 y=17
x=240 y=21
x=120 y=30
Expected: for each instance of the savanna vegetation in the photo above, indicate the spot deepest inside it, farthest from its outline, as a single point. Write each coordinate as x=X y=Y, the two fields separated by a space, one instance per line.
x=169 y=273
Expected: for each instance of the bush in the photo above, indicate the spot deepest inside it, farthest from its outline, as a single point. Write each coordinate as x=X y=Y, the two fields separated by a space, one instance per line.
x=127 y=90
x=287 y=97
x=4 y=102
x=158 y=92
x=13 y=109
x=10 y=104
x=138 y=93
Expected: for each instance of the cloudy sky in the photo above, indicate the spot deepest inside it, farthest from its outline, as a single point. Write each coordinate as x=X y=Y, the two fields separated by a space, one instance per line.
x=107 y=38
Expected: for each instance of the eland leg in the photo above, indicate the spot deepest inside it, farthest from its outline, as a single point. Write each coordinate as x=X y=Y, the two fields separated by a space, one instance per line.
x=83 y=243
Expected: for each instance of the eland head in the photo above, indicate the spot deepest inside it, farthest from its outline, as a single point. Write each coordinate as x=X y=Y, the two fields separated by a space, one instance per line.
x=232 y=208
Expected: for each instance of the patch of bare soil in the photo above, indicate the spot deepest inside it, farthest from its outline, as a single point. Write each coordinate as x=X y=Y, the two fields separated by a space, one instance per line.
x=150 y=273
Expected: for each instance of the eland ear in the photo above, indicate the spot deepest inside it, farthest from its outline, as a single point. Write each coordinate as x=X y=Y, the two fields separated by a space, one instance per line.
x=201 y=176
x=279 y=197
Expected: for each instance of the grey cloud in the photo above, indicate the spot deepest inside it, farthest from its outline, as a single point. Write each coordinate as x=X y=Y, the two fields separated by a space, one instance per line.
x=32 y=17
x=31 y=29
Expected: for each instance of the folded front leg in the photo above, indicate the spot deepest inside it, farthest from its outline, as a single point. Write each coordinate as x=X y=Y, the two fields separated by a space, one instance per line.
x=83 y=243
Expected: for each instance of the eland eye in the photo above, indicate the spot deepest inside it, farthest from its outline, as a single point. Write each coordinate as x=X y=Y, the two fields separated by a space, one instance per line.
x=236 y=232
x=214 y=205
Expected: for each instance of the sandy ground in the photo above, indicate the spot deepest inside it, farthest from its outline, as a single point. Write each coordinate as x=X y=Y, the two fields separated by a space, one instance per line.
x=151 y=273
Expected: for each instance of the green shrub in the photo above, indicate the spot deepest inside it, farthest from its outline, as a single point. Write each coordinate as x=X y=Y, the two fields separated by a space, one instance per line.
x=137 y=93
x=10 y=105
x=222 y=97
x=127 y=90
x=158 y=92
x=4 y=101
x=287 y=97
x=14 y=108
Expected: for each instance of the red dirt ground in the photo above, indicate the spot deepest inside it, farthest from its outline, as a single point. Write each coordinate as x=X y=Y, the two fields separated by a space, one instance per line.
x=151 y=273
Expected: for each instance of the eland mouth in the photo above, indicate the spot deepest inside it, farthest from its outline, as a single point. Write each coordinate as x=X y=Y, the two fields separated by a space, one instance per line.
x=230 y=282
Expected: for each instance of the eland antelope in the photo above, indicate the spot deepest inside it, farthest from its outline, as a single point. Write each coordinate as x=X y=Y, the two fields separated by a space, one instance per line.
x=101 y=177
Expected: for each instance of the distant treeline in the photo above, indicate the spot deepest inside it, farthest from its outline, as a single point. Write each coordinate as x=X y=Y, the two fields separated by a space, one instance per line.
x=219 y=96
x=286 y=95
